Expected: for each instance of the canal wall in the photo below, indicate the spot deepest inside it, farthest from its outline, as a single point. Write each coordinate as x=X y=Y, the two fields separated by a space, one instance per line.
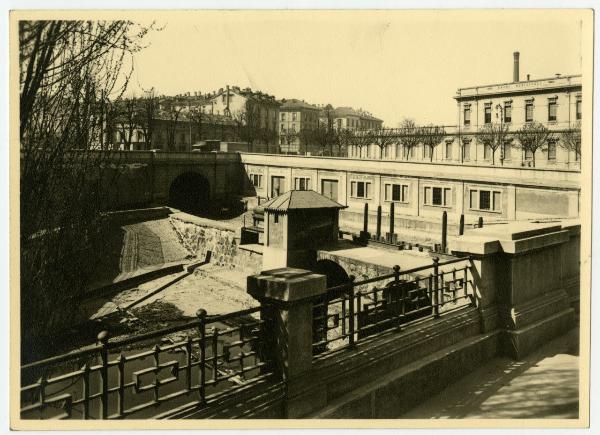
x=222 y=239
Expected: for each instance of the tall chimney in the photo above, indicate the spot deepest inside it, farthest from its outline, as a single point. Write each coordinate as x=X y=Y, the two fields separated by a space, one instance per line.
x=516 y=67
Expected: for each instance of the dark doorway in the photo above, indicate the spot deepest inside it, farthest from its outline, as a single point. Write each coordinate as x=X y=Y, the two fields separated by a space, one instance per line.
x=190 y=192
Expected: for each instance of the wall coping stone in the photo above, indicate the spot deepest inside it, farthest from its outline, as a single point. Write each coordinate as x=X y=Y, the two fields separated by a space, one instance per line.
x=286 y=284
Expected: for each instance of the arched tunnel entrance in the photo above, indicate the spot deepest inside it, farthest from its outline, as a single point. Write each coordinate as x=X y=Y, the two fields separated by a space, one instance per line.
x=190 y=192
x=336 y=275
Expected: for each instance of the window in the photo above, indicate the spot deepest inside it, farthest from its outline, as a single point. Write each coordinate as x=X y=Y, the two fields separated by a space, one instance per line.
x=466 y=149
x=578 y=147
x=487 y=113
x=448 y=150
x=529 y=111
x=293 y=116
x=256 y=180
x=467 y=115
x=528 y=154
x=552 y=109
x=302 y=183
x=360 y=189
x=277 y=186
x=487 y=152
x=485 y=200
x=505 y=150
x=551 y=150
x=578 y=109
x=439 y=196
x=396 y=192
x=293 y=128
x=508 y=112
x=329 y=188
x=426 y=152
x=283 y=116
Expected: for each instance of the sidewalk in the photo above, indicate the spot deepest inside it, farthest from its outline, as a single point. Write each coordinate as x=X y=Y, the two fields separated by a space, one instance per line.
x=545 y=384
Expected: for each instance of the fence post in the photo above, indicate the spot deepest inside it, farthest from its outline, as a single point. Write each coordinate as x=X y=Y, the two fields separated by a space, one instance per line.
x=201 y=314
x=444 y=231
x=378 y=223
x=402 y=312
x=480 y=222
x=461 y=225
x=364 y=234
x=391 y=234
x=290 y=295
x=103 y=339
x=351 y=325
x=436 y=288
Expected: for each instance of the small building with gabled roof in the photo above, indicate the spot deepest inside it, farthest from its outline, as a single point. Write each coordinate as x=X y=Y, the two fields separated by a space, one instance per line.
x=297 y=224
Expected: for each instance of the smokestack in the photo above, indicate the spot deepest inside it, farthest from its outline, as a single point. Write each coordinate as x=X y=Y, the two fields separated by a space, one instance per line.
x=516 y=67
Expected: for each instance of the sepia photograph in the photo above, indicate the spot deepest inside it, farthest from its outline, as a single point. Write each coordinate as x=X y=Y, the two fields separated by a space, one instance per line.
x=300 y=218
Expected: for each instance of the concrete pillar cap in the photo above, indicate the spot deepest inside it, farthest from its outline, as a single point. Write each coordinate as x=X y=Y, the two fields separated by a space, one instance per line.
x=286 y=284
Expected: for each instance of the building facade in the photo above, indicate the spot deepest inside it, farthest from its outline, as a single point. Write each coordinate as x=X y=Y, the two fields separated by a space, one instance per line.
x=295 y=116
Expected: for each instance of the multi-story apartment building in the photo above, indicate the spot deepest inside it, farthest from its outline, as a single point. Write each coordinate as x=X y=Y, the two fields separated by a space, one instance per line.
x=236 y=103
x=554 y=102
x=352 y=119
x=295 y=116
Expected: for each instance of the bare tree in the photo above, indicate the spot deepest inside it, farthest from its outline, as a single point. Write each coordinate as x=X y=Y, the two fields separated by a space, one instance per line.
x=172 y=118
x=146 y=116
x=493 y=135
x=409 y=136
x=362 y=139
x=431 y=136
x=127 y=123
x=383 y=137
x=289 y=137
x=533 y=136
x=570 y=139
x=71 y=72
x=344 y=138
x=247 y=123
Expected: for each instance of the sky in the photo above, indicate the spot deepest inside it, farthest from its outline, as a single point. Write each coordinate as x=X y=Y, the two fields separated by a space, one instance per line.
x=394 y=64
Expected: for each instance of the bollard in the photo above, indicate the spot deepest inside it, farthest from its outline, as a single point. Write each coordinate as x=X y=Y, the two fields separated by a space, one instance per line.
x=378 y=223
x=391 y=220
x=366 y=218
x=444 y=230
x=480 y=222
x=461 y=225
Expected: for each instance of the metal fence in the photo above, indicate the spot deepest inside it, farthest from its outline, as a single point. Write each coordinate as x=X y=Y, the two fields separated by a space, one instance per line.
x=351 y=312
x=190 y=365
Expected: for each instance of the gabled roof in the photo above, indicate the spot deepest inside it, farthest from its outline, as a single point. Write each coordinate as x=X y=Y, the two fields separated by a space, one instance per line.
x=300 y=199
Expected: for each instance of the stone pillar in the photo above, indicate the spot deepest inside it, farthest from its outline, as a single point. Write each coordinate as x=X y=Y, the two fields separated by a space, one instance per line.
x=286 y=295
x=519 y=269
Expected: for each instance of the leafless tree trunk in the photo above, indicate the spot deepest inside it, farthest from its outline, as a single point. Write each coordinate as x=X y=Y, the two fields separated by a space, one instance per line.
x=533 y=136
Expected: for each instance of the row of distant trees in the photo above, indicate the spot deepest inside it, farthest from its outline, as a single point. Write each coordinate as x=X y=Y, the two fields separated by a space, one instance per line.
x=531 y=137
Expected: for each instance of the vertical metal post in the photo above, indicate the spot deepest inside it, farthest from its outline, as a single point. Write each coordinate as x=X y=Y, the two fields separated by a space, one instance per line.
x=480 y=222
x=366 y=219
x=444 y=230
x=215 y=353
x=378 y=232
x=103 y=339
x=436 y=289
x=461 y=225
x=121 y=366
x=188 y=367
x=351 y=310
x=156 y=350
x=86 y=391
x=201 y=314
x=391 y=221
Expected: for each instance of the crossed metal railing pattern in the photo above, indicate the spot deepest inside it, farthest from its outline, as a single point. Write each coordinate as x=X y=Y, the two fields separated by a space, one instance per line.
x=352 y=312
x=191 y=366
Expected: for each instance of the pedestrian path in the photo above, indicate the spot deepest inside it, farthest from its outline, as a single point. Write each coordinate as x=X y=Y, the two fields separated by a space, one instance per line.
x=544 y=384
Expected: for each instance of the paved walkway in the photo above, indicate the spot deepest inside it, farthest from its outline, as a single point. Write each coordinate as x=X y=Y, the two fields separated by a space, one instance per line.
x=543 y=385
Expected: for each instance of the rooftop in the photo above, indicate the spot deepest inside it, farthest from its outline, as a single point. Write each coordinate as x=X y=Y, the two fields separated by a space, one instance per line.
x=294 y=103
x=300 y=199
x=556 y=82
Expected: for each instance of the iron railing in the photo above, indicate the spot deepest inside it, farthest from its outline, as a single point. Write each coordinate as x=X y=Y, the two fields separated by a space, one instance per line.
x=190 y=366
x=351 y=312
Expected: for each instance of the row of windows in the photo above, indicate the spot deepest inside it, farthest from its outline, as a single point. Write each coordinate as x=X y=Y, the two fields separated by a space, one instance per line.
x=506 y=111
x=479 y=199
